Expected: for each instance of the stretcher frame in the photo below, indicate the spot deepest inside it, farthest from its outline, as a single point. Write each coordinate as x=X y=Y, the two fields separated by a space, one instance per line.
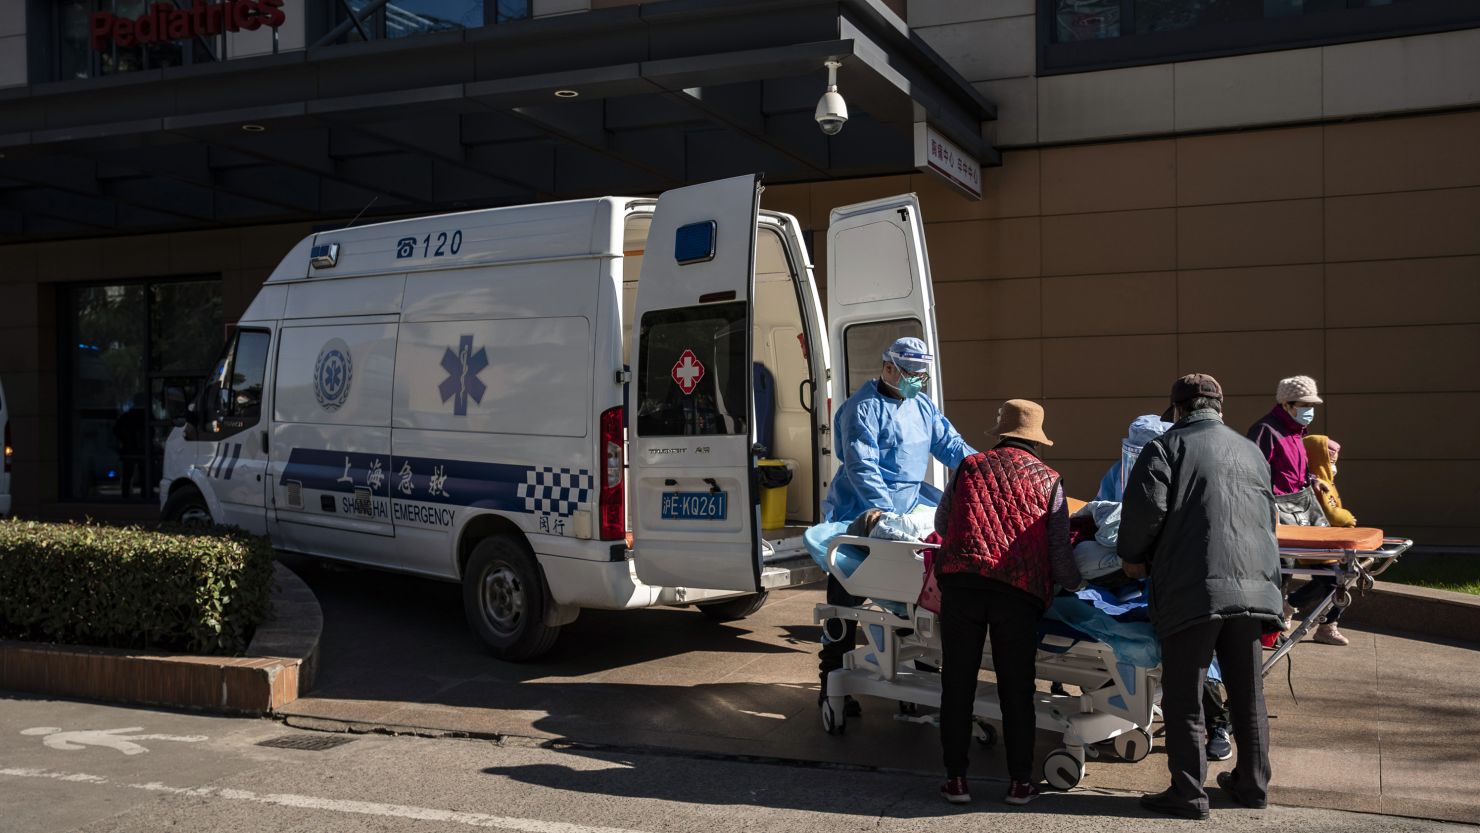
x=1118 y=700
x=1352 y=569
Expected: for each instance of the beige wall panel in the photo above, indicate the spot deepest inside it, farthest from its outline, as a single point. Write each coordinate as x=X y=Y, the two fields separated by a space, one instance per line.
x=1127 y=304
x=977 y=310
x=146 y=256
x=1017 y=110
x=941 y=12
x=795 y=200
x=1241 y=412
x=1081 y=477
x=1214 y=300
x=1108 y=104
x=1435 y=290
x=1253 y=363
x=1402 y=154
x=973 y=418
x=1397 y=74
x=983 y=249
x=17 y=264
x=1112 y=366
x=1439 y=493
x=1117 y=176
x=1010 y=190
x=1122 y=241
x=1410 y=224
x=1249 y=234
x=1404 y=359
x=1091 y=429
x=1363 y=424
x=19 y=349
x=1263 y=88
x=1249 y=166
x=994 y=370
x=981 y=50
x=829 y=195
x=18 y=305
x=69 y=260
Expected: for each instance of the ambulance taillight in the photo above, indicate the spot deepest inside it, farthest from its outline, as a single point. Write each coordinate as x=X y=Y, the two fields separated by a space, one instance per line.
x=612 y=504
x=9 y=449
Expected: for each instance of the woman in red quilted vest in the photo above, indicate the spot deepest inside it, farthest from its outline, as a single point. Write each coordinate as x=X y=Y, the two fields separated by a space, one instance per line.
x=1005 y=524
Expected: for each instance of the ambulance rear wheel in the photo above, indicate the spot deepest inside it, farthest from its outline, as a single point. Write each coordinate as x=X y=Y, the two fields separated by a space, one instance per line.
x=504 y=600
x=737 y=608
x=187 y=507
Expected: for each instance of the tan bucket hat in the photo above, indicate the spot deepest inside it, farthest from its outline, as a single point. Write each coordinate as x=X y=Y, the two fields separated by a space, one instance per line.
x=1021 y=419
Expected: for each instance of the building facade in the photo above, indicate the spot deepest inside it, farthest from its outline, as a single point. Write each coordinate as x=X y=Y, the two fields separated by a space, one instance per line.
x=1250 y=189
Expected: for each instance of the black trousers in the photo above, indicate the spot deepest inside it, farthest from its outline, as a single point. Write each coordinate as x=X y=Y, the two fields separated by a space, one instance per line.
x=839 y=636
x=1313 y=591
x=1185 y=656
x=968 y=615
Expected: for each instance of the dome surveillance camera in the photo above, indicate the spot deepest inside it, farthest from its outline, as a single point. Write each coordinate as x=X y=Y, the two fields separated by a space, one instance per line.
x=832 y=110
x=832 y=113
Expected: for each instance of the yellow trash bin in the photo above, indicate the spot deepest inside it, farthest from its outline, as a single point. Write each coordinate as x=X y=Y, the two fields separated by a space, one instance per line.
x=775 y=476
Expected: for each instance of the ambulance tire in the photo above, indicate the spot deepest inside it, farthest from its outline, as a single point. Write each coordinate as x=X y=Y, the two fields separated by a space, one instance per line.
x=186 y=506
x=739 y=607
x=504 y=600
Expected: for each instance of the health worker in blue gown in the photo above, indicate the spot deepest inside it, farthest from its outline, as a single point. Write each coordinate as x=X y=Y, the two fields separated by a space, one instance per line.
x=886 y=432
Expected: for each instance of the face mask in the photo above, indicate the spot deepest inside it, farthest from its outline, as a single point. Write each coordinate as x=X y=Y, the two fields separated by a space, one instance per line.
x=1305 y=416
x=910 y=386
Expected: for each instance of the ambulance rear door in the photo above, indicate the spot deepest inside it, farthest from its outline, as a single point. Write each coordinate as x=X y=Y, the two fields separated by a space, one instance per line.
x=878 y=290
x=694 y=516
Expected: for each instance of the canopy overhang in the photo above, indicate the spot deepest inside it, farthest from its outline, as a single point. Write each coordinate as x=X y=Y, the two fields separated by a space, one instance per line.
x=632 y=100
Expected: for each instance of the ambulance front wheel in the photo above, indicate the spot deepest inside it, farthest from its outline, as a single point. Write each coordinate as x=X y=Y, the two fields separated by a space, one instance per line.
x=186 y=506
x=504 y=600
x=737 y=608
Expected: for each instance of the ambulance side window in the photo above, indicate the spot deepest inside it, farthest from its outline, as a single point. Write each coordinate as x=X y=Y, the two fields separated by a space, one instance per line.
x=233 y=399
x=864 y=346
x=692 y=371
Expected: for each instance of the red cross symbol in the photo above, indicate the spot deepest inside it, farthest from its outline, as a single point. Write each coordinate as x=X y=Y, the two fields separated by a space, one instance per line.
x=687 y=372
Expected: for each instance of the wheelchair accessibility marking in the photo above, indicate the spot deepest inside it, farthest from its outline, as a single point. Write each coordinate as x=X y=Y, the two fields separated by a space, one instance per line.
x=333 y=805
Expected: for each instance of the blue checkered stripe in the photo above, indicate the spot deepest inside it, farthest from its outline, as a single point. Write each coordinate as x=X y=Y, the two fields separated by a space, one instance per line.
x=555 y=491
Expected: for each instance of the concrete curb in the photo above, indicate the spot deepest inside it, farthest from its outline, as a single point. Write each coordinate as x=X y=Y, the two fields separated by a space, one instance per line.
x=1443 y=614
x=279 y=665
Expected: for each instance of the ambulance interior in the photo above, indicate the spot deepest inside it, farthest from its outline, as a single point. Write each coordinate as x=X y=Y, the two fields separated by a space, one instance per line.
x=779 y=347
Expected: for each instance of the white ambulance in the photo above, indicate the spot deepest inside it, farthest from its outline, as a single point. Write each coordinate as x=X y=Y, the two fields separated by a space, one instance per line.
x=554 y=404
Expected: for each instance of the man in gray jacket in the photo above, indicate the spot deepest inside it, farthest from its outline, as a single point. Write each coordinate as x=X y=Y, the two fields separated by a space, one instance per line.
x=1199 y=516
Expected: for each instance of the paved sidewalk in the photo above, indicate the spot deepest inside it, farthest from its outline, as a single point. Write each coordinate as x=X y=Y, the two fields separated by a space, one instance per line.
x=1385 y=725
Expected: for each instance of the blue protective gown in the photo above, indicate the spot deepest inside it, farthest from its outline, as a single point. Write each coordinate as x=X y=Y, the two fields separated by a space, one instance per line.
x=885 y=445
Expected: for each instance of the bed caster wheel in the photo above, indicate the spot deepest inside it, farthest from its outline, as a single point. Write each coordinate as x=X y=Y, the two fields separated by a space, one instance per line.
x=908 y=709
x=1063 y=770
x=1133 y=746
x=834 y=719
x=986 y=734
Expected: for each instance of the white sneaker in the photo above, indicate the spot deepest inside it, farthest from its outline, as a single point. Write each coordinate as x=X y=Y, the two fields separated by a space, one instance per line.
x=1327 y=634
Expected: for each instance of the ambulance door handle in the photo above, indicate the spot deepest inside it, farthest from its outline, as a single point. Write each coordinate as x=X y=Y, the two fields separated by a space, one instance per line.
x=806 y=401
x=264 y=441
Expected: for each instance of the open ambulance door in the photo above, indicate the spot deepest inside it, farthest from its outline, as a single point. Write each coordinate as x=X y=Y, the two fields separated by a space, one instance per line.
x=878 y=290
x=695 y=518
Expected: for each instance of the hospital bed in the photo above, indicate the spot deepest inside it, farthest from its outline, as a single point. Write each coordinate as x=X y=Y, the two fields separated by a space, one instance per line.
x=1353 y=557
x=902 y=650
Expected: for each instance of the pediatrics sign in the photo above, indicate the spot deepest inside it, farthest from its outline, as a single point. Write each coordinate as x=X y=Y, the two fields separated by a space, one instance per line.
x=165 y=22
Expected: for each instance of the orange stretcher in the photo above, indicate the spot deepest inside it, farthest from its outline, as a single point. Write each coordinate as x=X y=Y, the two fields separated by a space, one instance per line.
x=1351 y=557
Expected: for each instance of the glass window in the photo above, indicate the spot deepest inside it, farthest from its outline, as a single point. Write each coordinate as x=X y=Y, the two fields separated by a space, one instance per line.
x=692 y=371
x=413 y=17
x=865 y=344
x=127 y=384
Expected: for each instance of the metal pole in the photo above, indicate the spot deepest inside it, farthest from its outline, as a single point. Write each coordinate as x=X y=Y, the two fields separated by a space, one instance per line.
x=352 y=23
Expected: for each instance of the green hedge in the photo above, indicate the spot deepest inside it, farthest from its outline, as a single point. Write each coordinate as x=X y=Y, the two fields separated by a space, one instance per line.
x=201 y=591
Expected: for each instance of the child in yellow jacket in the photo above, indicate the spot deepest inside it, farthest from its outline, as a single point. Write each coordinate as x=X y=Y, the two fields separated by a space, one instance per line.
x=1323 y=451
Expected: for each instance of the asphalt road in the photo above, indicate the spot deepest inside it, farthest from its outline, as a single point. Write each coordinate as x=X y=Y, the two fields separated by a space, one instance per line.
x=67 y=766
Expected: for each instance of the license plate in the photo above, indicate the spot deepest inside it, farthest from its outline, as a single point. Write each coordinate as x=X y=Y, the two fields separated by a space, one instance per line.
x=695 y=506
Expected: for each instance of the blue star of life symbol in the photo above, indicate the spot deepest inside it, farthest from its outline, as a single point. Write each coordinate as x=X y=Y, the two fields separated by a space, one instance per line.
x=462 y=380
